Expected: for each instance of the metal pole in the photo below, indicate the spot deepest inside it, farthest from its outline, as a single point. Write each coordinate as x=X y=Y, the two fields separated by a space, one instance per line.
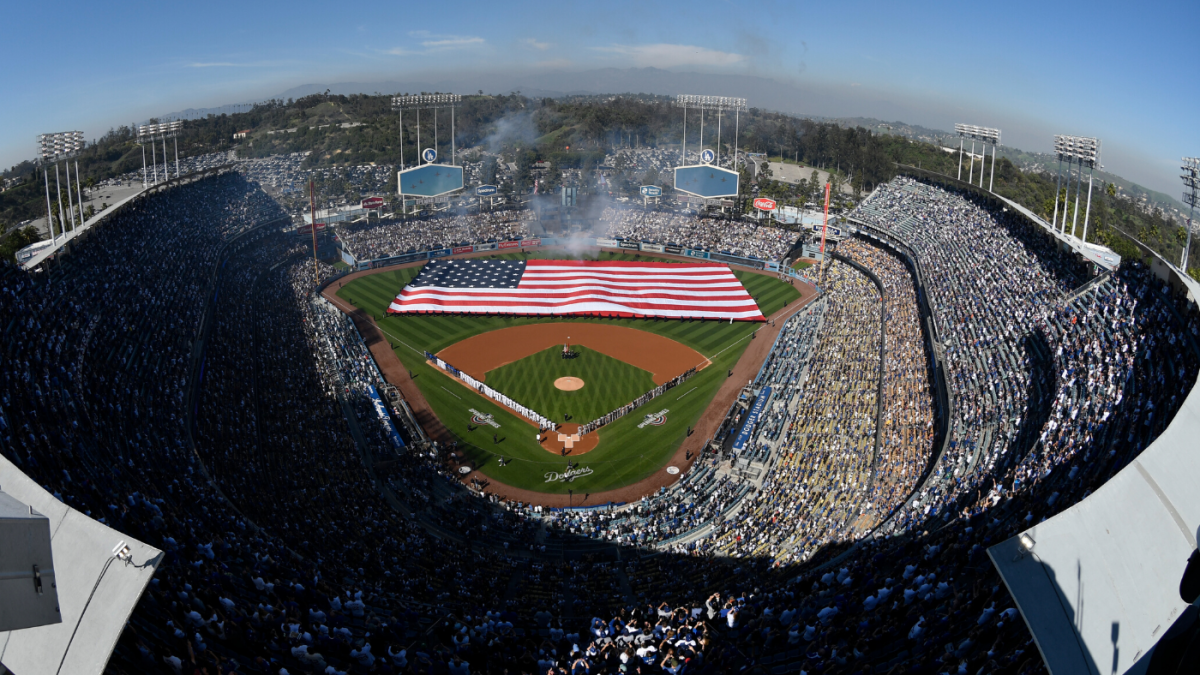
x=992 y=179
x=435 y=138
x=452 y=135
x=166 y=162
x=1066 y=197
x=70 y=204
x=58 y=187
x=78 y=193
x=1057 y=190
x=143 y=166
x=960 y=147
x=718 y=137
x=1087 y=212
x=1187 y=246
x=982 y=164
x=1078 y=188
x=702 y=130
x=736 y=123
x=154 y=160
x=312 y=205
x=401 y=140
x=683 y=160
x=418 y=137
x=971 y=173
x=49 y=218
x=175 y=140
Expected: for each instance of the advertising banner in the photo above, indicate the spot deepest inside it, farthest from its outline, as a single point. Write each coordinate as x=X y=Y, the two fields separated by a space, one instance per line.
x=440 y=253
x=653 y=248
x=508 y=244
x=385 y=418
x=673 y=249
x=634 y=245
x=606 y=243
x=531 y=242
x=490 y=246
x=752 y=418
x=697 y=254
x=463 y=249
x=372 y=202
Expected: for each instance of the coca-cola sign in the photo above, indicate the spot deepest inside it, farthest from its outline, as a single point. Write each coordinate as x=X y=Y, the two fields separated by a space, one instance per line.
x=764 y=204
x=372 y=202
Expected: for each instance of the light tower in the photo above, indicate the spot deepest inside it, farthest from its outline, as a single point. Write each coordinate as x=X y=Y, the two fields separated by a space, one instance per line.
x=1085 y=151
x=1191 y=183
x=51 y=148
x=721 y=104
x=421 y=102
x=987 y=136
x=150 y=133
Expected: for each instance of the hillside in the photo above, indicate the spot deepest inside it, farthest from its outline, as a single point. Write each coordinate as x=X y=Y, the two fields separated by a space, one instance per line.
x=575 y=134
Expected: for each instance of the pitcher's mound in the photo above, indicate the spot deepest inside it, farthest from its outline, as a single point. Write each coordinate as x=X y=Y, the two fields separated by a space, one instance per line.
x=568 y=383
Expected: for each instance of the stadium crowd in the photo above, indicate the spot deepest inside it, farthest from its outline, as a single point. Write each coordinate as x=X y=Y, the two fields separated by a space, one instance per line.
x=814 y=494
x=368 y=240
x=282 y=556
x=724 y=236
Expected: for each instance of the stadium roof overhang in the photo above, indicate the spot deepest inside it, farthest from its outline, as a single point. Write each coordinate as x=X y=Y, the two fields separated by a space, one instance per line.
x=87 y=576
x=1098 y=583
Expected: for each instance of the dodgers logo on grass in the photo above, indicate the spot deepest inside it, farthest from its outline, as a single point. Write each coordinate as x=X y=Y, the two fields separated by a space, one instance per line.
x=655 y=419
x=483 y=418
x=569 y=475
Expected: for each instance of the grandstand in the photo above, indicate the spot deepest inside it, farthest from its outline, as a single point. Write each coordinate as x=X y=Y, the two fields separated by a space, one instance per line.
x=961 y=379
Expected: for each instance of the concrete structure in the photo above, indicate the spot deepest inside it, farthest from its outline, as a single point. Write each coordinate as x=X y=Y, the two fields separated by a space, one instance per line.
x=62 y=241
x=1100 y=255
x=96 y=591
x=1100 y=585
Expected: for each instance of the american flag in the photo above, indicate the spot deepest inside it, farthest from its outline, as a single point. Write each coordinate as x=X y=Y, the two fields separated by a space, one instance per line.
x=578 y=288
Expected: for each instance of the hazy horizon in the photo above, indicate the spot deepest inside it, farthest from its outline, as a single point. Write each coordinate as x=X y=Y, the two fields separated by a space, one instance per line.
x=1017 y=69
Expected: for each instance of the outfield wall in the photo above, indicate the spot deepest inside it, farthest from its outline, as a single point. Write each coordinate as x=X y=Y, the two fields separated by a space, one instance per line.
x=594 y=242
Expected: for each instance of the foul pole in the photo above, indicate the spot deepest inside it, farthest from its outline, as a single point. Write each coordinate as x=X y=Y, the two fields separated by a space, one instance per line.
x=312 y=206
x=825 y=224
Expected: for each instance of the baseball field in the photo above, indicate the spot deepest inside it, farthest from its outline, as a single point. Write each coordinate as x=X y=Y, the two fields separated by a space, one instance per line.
x=613 y=363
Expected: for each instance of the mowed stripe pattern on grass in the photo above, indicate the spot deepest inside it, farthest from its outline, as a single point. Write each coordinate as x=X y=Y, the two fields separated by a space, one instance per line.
x=626 y=454
x=608 y=383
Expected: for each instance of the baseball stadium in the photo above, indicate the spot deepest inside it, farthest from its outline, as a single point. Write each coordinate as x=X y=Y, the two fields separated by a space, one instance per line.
x=483 y=384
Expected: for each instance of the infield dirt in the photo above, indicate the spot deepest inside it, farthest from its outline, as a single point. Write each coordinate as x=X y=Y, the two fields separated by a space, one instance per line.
x=662 y=357
x=687 y=453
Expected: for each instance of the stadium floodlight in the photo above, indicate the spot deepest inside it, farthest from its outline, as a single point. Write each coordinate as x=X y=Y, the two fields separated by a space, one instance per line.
x=51 y=148
x=61 y=145
x=721 y=104
x=419 y=102
x=986 y=135
x=1191 y=185
x=150 y=133
x=1085 y=151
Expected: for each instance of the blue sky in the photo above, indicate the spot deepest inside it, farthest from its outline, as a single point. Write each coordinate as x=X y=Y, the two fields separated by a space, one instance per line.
x=1119 y=71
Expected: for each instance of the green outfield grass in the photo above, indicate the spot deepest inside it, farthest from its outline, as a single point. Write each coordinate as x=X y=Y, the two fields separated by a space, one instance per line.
x=608 y=383
x=625 y=454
